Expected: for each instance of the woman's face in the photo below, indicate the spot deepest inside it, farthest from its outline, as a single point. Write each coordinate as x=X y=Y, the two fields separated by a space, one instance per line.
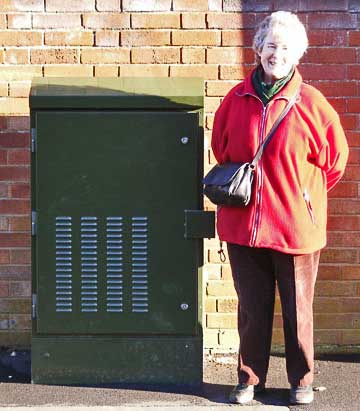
x=278 y=55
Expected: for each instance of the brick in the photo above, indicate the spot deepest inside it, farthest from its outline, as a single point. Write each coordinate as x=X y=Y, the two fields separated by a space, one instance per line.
x=19 y=21
x=327 y=337
x=317 y=72
x=354 y=155
x=15 y=272
x=16 y=56
x=106 y=71
x=354 y=5
x=15 y=305
x=14 y=206
x=70 y=5
x=211 y=272
x=328 y=5
x=4 y=88
x=3 y=21
x=157 y=55
x=229 y=55
x=344 y=223
x=14 y=240
x=20 y=256
x=332 y=21
x=353 y=138
x=341 y=239
x=146 y=5
x=20 y=289
x=209 y=122
x=19 y=89
x=328 y=38
x=107 y=38
x=330 y=272
x=232 y=72
x=20 y=191
x=4 y=288
x=23 y=5
x=57 y=21
x=69 y=38
x=20 y=38
x=19 y=322
x=192 y=55
x=19 y=224
x=16 y=339
x=336 y=288
x=68 y=71
x=190 y=5
x=215 y=5
x=144 y=70
x=336 y=88
x=4 y=257
x=155 y=21
x=196 y=38
x=212 y=104
x=108 y=5
x=350 y=305
x=229 y=339
x=4 y=322
x=145 y=38
x=345 y=188
x=19 y=157
x=14 y=173
x=352 y=172
x=344 y=207
x=354 y=38
x=220 y=289
x=351 y=337
x=14 y=139
x=194 y=70
x=210 y=305
x=3 y=161
x=105 y=56
x=211 y=339
x=219 y=88
x=54 y=56
x=235 y=5
x=237 y=37
x=353 y=72
x=25 y=72
x=337 y=321
x=353 y=105
x=333 y=255
x=228 y=305
x=106 y=20
x=338 y=103
x=214 y=320
x=230 y=20
x=17 y=123
x=193 y=21
x=10 y=105
x=327 y=305
x=331 y=55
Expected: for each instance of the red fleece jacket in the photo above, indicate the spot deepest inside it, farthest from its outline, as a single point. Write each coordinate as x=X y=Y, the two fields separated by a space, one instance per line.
x=305 y=158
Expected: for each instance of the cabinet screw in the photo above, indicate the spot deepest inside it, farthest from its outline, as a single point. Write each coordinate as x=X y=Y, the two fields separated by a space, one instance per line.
x=184 y=140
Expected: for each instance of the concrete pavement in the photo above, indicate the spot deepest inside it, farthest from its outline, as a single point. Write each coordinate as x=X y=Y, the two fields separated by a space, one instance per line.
x=339 y=376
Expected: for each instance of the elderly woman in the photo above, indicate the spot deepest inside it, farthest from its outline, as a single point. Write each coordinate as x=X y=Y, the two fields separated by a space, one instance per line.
x=276 y=238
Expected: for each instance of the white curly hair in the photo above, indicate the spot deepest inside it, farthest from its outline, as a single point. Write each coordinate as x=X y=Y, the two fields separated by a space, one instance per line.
x=283 y=20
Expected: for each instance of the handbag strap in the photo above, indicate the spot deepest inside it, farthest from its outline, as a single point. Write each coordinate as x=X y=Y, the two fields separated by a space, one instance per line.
x=274 y=127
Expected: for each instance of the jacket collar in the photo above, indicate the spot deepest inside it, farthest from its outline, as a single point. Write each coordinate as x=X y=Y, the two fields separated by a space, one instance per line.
x=286 y=92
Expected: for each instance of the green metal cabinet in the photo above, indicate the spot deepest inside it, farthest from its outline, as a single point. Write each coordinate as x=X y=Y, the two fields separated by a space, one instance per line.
x=117 y=228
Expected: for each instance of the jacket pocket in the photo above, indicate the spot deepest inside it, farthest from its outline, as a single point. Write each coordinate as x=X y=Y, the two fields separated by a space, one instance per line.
x=309 y=206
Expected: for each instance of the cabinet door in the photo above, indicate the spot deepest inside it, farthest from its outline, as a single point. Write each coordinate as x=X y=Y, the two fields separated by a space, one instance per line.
x=110 y=193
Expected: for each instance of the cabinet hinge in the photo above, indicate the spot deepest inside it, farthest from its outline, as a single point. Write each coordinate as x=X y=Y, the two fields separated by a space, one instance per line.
x=34 y=305
x=33 y=140
x=33 y=223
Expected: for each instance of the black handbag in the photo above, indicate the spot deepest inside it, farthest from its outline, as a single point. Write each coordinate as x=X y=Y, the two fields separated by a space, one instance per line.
x=230 y=184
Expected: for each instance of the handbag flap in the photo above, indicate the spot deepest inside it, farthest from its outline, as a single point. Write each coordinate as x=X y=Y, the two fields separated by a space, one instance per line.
x=221 y=174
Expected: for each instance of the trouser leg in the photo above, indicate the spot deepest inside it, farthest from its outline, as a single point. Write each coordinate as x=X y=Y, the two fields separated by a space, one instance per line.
x=296 y=276
x=255 y=286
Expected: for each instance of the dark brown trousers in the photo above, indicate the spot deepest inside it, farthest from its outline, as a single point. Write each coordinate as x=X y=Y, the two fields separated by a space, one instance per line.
x=255 y=273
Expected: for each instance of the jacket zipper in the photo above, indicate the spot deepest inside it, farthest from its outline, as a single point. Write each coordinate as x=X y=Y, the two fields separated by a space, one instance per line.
x=259 y=182
x=308 y=205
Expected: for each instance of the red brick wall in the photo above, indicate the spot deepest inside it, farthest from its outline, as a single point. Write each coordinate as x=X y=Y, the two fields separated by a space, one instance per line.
x=207 y=38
